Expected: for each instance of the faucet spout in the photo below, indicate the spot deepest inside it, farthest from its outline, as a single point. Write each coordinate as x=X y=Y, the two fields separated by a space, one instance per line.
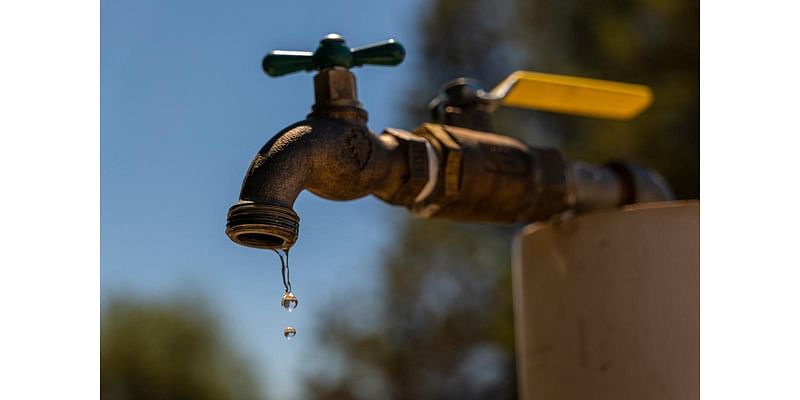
x=337 y=159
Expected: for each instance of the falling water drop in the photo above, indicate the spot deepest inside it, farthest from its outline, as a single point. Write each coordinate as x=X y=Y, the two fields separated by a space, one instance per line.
x=289 y=332
x=289 y=301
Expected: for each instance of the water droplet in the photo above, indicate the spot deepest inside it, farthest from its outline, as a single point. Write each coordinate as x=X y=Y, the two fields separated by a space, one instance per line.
x=289 y=332
x=289 y=301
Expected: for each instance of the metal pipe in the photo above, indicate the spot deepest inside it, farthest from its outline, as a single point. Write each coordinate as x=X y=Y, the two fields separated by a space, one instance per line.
x=485 y=177
x=594 y=187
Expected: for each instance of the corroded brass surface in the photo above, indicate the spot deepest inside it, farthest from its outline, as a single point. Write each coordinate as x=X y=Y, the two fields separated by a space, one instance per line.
x=331 y=158
x=486 y=177
x=331 y=153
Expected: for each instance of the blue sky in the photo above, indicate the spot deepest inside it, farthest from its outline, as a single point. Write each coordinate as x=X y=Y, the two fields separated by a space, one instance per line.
x=184 y=107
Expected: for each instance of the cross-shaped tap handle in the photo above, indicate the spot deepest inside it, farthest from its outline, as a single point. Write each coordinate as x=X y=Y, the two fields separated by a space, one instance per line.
x=333 y=52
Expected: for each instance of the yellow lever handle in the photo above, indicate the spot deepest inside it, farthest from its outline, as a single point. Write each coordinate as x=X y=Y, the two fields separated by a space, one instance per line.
x=573 y=95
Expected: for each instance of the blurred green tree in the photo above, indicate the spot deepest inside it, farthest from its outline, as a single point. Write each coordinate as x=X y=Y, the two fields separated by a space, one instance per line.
x=171 y=350
x=443 y=325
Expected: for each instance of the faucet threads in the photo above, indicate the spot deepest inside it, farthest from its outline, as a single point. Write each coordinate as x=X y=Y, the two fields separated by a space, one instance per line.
x=263 y=226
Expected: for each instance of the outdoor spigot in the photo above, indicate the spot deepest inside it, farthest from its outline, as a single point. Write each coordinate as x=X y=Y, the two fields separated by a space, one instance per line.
x=455 y=169
x=331 y=153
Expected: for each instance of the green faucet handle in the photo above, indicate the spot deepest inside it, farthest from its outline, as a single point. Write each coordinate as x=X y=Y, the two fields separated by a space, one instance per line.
x=333 y=52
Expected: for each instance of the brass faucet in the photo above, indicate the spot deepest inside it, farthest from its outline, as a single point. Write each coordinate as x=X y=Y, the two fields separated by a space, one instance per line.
x=437 y=170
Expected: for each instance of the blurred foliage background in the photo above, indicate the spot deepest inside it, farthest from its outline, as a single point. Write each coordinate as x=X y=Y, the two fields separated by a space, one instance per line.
x=169 y=349
x=441 y=326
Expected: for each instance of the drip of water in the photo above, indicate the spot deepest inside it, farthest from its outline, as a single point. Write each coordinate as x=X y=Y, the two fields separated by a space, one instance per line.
x=289 y=301
x=289 y=332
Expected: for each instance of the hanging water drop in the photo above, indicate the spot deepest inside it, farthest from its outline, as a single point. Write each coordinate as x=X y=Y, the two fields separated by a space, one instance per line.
x=289 y=332
x=289 y=301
